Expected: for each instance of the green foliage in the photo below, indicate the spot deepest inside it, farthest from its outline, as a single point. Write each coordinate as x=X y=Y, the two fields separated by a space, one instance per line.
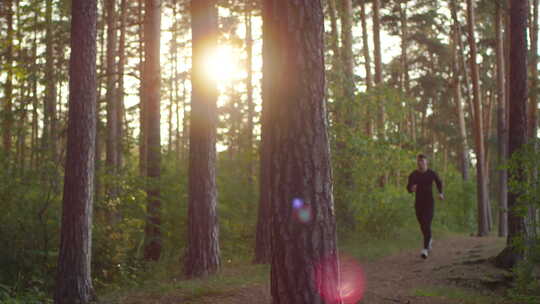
x=458 y=211
x=523 y=169
x=29 y=230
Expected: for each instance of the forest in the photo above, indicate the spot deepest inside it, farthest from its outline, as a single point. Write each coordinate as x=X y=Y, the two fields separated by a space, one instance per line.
x=258 y=151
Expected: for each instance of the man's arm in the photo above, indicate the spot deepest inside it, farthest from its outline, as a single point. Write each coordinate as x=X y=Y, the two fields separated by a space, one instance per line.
x=411 y=186
x=439 y=184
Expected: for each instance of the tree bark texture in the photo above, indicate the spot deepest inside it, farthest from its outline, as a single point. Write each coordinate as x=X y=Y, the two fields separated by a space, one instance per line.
x=533 y=98
x=367 y=63
x=365 y=45
x=73 y=281
x=483 y=222
x=303 y=220
x=347 y=49
x=517 y=124
x=502 y=126
x=112 y=102
x=120 y=113
x=203 y=253
x=49 y=118
x=152 y=87
x=7 y=119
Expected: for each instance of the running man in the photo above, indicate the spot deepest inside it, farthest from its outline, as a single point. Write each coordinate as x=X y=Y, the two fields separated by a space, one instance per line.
x=421 y=182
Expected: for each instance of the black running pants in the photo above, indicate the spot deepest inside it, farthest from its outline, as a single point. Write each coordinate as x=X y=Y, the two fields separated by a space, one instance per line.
x=424 y=215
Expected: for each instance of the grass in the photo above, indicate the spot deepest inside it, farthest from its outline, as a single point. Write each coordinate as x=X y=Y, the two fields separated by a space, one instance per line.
x=229 y=279
x=370 y=248
x=464 y=296
x=166 y=279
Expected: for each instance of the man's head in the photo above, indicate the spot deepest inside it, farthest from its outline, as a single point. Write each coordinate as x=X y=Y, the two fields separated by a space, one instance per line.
x=422 y=162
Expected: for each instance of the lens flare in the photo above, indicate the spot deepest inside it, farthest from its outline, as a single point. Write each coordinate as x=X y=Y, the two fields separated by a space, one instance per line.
x=301 y=210
x=297 y=203
x=351 y=285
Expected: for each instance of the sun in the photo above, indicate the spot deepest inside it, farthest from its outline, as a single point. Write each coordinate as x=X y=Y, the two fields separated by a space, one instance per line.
x=223 y=64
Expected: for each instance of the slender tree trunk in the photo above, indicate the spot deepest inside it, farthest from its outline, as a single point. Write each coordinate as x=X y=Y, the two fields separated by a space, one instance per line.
x=143 y=138
x=304 y=253
x=249 y=92
x=7 y=122
x=120 y=117
x=464 y=153
x=502 y=132
x=365 y=45
x=49 y=119
x=262 y=238
x=73 y=280
x=483 y=225
x=112 y=100
x=517 y=126
x=367 y=62
x=533 y=98
x=35 y=97
x=334 y=40
x=378 y=63
x=152 y=87
x=202 y=253
x=405 y=66
x=533 y=108
x=347 y=51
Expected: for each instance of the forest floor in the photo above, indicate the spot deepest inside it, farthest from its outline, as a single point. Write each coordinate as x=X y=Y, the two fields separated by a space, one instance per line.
x=458 y=270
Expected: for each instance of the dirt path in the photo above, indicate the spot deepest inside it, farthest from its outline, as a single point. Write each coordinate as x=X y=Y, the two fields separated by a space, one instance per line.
x=458 y=262
x=455 y=263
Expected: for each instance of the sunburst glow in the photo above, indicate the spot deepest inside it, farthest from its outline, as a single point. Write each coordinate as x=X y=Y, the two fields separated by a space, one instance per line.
x=223 y=64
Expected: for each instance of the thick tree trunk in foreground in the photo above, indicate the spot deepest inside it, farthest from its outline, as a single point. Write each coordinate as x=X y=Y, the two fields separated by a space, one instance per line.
x=73 y=281
x=517 y=125
x=151 y=91
x=303 y=222
x=202 y=254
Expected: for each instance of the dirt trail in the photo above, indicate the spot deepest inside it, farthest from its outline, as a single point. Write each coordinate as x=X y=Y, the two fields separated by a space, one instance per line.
x=455 y=263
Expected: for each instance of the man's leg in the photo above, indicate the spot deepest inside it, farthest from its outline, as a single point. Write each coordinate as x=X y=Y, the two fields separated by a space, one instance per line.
x=424 y=214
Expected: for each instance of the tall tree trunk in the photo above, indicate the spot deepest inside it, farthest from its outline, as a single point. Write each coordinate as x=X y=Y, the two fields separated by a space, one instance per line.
x=143 y=137
x=73 y=280
x=49 y=119
x=483 y=223
x=517 y=126
x=152 y=87
x=120 y=113
x=202 y=253
x=7 y=122
x=249 y=92
x=262 y=237
x=533 y=98
x=405 y=81
x=378 y=64
x=533 y=108
x=112 y=101
x=367 y=62
x=300 y=172
x=334 y=35
x=365 y=45
x=347 y=50
x=35 y=97
x=502 y=132
x=464 y=153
